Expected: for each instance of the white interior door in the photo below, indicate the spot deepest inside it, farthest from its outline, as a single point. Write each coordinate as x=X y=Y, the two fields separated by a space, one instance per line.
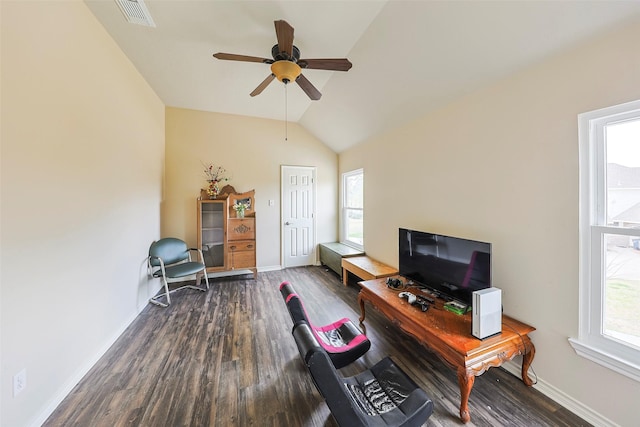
x=298 y=215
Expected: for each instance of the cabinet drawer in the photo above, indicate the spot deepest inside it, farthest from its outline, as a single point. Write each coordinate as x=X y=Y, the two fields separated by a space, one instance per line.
x=241 y=229
x=242 y=245
x=242 y=259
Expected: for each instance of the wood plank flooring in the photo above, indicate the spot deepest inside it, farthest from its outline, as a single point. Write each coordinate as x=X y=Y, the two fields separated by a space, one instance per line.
x=227 y=358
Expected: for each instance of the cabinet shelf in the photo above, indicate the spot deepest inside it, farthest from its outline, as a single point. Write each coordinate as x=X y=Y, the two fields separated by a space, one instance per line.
x=212 y=219
x=212 y=244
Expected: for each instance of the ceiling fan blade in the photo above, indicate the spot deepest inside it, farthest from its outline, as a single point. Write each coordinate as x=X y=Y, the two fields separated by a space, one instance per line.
x=308 y=88
x=333 y=64
x=264 y=84
x=284 y=32
x=244 y=58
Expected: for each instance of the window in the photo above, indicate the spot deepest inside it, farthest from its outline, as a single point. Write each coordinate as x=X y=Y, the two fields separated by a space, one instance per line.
x=609 y=328
x=352 y=209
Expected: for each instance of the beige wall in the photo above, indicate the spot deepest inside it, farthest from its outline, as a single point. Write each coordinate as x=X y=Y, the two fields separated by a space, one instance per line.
x=82 y=159
x=501 y=165
x=83 y=140
x=252 y=150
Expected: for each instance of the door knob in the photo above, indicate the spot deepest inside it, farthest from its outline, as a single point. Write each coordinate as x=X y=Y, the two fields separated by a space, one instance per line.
x=287 y=223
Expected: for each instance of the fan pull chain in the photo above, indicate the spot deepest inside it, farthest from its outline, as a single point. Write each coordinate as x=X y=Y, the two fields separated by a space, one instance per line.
x=286 y=119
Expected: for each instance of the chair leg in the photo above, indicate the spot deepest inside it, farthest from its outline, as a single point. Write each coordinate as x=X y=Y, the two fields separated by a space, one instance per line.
x=156 y=299
x=196 y=287
x=206 y=278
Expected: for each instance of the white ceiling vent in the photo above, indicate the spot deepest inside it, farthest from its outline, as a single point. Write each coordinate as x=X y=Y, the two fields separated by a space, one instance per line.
x=136 y=12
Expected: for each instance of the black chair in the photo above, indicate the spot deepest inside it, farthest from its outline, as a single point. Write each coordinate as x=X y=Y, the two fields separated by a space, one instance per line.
x=380 y=396
x=342 y=339
x=169 y=258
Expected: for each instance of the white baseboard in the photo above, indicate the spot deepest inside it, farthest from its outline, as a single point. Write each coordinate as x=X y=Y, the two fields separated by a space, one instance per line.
x=561 y=397
x=270 y=268
x=75 y=378
x=227 y=273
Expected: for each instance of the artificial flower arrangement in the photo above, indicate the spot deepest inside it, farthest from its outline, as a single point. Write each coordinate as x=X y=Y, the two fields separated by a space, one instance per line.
x=240 y=208
x=215 y=175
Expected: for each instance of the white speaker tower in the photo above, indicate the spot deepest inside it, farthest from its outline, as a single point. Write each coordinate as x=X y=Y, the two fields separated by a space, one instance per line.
x=486 y=317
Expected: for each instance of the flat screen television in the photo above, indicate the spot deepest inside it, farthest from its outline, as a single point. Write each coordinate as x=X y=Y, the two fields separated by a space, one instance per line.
x=452 y=267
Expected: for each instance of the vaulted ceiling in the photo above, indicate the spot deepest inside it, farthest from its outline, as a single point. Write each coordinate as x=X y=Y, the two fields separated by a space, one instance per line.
x=409 y=57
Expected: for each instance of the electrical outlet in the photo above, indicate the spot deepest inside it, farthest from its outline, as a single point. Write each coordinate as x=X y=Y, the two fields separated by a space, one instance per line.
x=271 y=202
x=19 y=382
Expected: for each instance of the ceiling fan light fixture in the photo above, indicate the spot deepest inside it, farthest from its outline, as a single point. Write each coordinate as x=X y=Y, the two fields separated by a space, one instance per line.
x=286 y=71
x=286 y=64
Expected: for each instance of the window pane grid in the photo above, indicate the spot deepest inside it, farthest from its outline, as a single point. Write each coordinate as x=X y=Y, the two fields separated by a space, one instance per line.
x=610 y=238
x=621 y=292
x=616 y=228
x=353 y=204
x=353 y=192
x=621 y=146
x=354 y=226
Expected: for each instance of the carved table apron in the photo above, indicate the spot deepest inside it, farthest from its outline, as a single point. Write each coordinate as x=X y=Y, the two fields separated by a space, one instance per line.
x=449 y=336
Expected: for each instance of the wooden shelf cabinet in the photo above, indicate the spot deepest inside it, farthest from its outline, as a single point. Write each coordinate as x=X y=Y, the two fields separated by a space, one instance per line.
x=228 y=243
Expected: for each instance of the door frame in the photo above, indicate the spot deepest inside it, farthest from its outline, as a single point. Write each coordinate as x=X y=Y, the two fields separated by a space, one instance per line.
x=314 y=234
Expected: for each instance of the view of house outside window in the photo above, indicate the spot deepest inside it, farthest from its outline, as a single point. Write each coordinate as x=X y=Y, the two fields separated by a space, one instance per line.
x=353 y=208
x=621 y=315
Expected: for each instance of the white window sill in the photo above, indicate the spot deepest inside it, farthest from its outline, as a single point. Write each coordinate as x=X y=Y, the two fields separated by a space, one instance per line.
x=353 y=245
x=608 y=360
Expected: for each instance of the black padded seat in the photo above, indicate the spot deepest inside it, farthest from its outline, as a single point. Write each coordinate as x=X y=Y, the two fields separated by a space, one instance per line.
x=342 y=339
x=383 y=395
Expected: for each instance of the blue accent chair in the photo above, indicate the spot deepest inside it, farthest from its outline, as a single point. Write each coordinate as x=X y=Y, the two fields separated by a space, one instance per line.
x=170 y=258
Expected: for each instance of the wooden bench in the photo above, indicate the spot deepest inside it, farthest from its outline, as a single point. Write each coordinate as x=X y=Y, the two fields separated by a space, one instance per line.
x=331 y=255
x=365 y=268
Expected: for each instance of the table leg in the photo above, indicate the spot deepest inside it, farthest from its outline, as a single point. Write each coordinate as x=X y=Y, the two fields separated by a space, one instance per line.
x=527 y=359
x=361 y=301
x=345 y=276
x=465 y=380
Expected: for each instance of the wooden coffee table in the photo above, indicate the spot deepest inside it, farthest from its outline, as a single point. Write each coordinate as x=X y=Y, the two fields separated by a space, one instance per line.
x=449 y=336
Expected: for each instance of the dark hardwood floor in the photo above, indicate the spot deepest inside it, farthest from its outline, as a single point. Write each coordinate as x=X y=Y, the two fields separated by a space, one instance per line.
x=227 y=357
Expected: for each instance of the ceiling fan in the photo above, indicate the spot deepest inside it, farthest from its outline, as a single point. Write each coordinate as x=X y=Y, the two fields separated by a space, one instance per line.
x=286 y=64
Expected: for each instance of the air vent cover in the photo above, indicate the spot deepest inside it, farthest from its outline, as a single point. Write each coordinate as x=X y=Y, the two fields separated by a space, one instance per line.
x=136 y=12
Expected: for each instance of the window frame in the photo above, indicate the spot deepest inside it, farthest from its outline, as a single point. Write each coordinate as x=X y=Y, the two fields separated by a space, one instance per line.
x=592 y=343
x=344 y=209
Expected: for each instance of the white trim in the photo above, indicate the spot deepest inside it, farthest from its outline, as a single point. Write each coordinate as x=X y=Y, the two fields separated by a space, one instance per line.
x=228 y=273
x=591 y=342
x=314 y=203
x=77 y=376
x=562 y=399
x=269 y=268
x=352 y=245
x=598 y=355
x=343 y=209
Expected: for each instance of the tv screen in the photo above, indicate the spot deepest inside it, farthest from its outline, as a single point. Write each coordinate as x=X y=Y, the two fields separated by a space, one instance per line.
x=452 y=267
